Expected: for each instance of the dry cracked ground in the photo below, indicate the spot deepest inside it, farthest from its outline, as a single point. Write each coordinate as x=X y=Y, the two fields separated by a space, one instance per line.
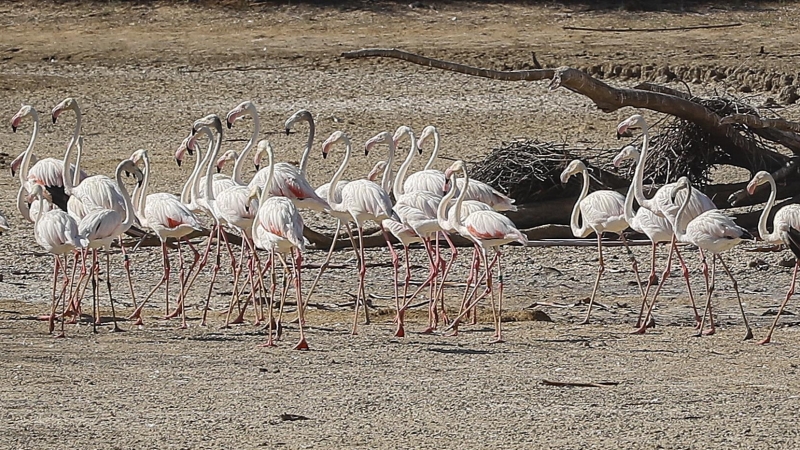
x=143 y=72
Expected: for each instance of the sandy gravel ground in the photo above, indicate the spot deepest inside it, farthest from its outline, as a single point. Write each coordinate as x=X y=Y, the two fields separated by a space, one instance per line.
x=143 y=72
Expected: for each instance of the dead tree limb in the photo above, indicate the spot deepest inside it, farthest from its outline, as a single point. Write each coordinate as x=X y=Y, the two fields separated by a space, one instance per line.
x=653 y=30
x=742 y=198
x=761 y=122
x=741 y=151
x=513 y=75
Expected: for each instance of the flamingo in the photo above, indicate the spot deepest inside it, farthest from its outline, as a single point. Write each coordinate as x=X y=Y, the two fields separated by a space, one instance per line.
x=661 y=204
x=657 y=229
x=785 y=219
x=364 y=200
x=715 y=232
x=427 y=179
x=56 y=232
x=289 y=180
x=168 y=218
x=302 y=115
x=341 y=218
x=46 y=172
x=278 y=227
x=445 y=214
x=100 y=226
x=488 y=229
x=602 y=211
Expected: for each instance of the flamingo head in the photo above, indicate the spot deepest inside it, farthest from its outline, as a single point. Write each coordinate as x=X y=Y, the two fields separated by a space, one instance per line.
x=230 y=155
x=450 y=171
x=403 y=130
x=631 y=123
x=23 y=112
x=302 y=114
x=138 y=156
x=263 y=148
x=67 y=103
x=244 y=108
x=682 y=183
x=760 y=178
x=575 y=166
x=379 y=167
x=253 y=194
x=130 y=168
x=627 y=152
x=34 y=194
x=183 y=149
x=380 y=138
x=211 y=120
x=427 y=132
x=335 y=137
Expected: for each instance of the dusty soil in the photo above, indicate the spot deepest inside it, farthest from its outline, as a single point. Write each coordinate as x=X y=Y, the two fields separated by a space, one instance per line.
x=143 y=72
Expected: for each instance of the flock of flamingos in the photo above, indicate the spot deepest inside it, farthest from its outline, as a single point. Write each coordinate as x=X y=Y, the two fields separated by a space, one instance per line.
x=76 y=214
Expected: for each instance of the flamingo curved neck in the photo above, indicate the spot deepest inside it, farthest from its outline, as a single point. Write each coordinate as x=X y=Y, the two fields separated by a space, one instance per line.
x=309 y=143
x=680 y=226
x=209 y=176
x=23 y=207
x=762 y=221
x=129 y=211
x=435 y=152
x=68 y=181
x=142 y=203
x=76 y=176
x=401 y=172
x=240 y=161
x=579 y=230
x=441 y=210
x=338 y=175
x=638 y=175
x=461 y=196
x=26 y=160
x=270 y=175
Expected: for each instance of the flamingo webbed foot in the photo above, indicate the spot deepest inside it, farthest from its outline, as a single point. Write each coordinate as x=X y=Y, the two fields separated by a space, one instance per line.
x=302 y=345
x=748 y=335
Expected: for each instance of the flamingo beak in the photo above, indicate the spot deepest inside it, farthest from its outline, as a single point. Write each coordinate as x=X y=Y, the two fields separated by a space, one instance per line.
x=751 y=188
x=257 y=167
x=288 y=131
x=178 y=162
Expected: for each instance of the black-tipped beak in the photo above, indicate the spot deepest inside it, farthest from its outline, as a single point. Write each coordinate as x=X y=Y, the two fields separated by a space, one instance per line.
x=13 y=128
x=257 y=167
x=324 y=156
x=178 y=162
x=218 y=169
x=247 y=207
x=619 y=136
x=139 y=182
x=193 y=131
x=13 y=173
x=366 y=152
x=419 y=150
x=230 y=125
x=190 y=152
x=288 y=131
x=127 y=174
x=54 y=119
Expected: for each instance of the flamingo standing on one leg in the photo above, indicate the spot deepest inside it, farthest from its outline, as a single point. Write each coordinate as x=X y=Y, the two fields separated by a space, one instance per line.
x=488 y=229
x=715 y=232
x=785 y=224
x=602 y=211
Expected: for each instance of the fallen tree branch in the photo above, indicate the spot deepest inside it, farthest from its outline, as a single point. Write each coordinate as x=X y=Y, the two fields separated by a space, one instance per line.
x=739 y=197
x=761 y=122
x=652 y=30
x=576 y=384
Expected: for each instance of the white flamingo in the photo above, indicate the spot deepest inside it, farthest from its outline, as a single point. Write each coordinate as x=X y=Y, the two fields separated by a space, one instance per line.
x=46 y=172
x=365 y=201
x=167 y=217
x=306 y=116
x=657 y=229
x=288 y=180
x=278 y=227
x=661 y=204
x=715 y=232
x=602 y=211
x=56 y=232
x=786 y=218
x=488 y=229
x=100 y=226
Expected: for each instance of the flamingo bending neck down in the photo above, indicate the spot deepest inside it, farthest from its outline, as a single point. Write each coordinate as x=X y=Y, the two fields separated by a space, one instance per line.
x=715 y=232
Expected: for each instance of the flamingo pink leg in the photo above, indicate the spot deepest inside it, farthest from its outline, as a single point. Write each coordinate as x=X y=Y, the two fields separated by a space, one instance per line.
x=789 y=294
